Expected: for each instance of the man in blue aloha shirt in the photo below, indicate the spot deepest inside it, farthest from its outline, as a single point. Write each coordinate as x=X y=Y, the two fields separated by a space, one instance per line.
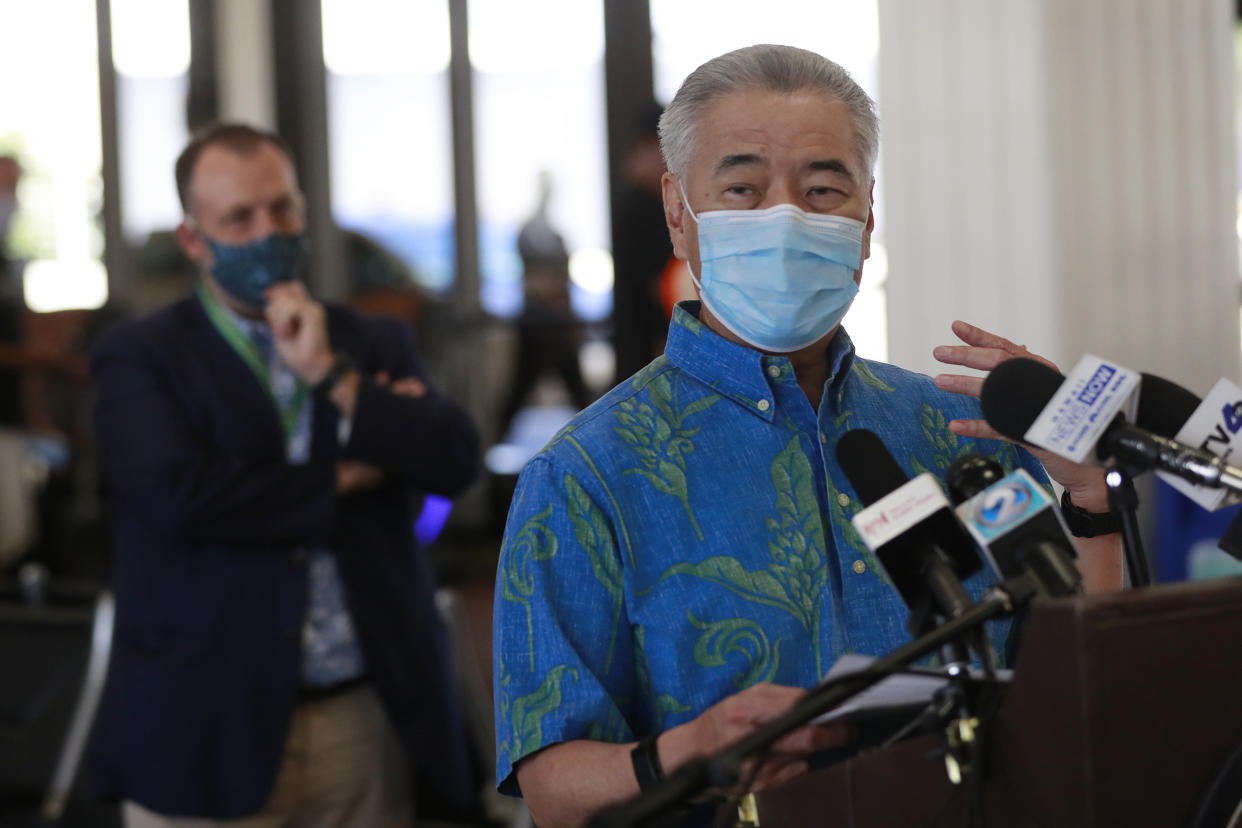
x=679 y=562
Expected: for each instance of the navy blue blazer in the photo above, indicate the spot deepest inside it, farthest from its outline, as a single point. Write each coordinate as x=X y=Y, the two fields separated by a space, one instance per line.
x=208 y=521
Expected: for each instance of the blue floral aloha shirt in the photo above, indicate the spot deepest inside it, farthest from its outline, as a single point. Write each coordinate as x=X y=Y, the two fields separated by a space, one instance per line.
x=688 y=535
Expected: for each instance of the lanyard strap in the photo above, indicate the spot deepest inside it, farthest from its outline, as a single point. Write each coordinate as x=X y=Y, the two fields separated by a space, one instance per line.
x=250 y=354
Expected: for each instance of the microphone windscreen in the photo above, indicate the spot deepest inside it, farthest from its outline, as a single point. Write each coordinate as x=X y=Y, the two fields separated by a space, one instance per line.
x=1017 y=390
x=1163 y=406
x=970 y=474
x=1014 y=394
x=868 y=465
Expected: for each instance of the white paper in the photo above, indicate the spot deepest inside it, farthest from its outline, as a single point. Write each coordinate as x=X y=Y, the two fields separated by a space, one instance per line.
x=900 y=690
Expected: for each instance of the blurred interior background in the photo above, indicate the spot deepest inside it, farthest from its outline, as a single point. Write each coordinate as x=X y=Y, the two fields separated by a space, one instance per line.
x=1060 y=171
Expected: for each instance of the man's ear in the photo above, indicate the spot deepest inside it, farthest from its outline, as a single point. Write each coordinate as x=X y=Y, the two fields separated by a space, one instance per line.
x=674 y=214
x=192 y=243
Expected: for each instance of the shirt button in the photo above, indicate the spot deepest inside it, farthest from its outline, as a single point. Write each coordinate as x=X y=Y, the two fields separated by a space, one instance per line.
x=859 y=567
x=764 y=405
x=844 y=500
x=823 y=438
x=774 y=371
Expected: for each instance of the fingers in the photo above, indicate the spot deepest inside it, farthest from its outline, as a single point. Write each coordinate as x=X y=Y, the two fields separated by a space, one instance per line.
x=409 y=387
x=286 y=290
x=989 y=345
x=958 y=384
x=288 y=308
x=759 y=704
x=814 y=738
x=975 y=429
x=969 y=356
x=777 y=771
x=755 y=706
x=404 y=387
x=354 y=476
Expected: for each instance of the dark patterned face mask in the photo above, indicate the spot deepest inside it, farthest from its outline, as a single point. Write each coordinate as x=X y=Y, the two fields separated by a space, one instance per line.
x=246 y=271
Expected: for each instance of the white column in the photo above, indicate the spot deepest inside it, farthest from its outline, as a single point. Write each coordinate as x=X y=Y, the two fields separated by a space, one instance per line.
x=247 y=74
x=1063 y=172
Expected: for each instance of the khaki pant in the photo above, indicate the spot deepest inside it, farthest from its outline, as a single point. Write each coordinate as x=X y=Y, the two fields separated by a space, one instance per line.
x=342 y=767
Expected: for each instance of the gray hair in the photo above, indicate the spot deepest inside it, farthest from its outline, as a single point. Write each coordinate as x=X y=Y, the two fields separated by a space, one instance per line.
x=775 y=68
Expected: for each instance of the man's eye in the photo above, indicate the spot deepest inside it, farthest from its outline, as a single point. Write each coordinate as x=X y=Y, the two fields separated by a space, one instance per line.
x=740 y=189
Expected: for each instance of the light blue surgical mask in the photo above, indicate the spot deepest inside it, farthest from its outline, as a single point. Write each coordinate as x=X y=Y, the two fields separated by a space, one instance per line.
x=780 y=278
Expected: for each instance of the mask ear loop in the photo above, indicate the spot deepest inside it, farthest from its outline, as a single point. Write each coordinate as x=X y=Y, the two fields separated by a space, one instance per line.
x=685 y=200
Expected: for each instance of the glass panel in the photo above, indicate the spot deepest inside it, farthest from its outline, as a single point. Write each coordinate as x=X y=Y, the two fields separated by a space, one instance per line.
x=689 y=32
x=389 y=130
x=151 y=53
x=49 y=119
x=540 y=121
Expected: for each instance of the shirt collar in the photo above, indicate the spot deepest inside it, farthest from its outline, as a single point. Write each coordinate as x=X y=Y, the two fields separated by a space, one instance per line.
x=252 y=328
x=737 y=371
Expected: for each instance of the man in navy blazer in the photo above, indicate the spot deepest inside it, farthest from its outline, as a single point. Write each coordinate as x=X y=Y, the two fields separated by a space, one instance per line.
x=264 y=455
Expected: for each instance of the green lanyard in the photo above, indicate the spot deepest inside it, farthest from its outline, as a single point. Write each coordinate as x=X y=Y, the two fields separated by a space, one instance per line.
x=249 y=352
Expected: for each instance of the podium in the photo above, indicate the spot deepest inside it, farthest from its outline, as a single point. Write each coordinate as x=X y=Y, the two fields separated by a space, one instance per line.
x=1125 y=709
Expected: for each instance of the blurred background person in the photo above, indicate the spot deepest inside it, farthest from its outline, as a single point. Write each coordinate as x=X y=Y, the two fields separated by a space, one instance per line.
x=641 y=263
x=278 y=649
x=549 y=335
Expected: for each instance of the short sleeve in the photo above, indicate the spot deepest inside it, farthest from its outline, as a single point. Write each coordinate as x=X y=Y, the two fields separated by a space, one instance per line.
x=563 y=653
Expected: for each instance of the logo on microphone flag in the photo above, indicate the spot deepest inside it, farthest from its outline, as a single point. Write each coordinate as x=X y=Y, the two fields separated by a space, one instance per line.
x=1073 y=421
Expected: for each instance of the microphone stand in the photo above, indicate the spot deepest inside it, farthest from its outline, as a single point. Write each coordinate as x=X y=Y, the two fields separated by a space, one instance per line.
x=1123 y=499
x=723 y=769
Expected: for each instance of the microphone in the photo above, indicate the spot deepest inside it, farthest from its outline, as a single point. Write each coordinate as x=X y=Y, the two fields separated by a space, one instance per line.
x=911 y=528
x=1017 y=525
x=1017 y=391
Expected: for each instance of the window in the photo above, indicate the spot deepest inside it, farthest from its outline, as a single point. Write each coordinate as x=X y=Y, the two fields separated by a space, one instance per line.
x=539 y=114
x=49 y=119
x=389 y=130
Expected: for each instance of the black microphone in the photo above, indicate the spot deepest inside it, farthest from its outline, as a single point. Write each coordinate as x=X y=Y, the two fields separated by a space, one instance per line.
x=911 y=528
x=1018 y=526
x=1016 y=392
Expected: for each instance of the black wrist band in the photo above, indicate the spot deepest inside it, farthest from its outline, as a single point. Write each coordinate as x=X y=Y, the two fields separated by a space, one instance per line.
x=341 y=366
x=646 y=759
x=1084 y=524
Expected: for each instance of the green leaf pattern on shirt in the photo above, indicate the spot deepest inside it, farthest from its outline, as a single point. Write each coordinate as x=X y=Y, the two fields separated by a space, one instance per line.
x=535 y=542
x=945 y=444
x=868 y=376
x=502 y=700
x=842 y=519
x=644 y=374
x=614 y=730
x=690 y=322
x=736 y=636
x=798 y=574
x=526 y=734
x=662 y=704
x=948 y=446
x=592 y=531
x=655 y=429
